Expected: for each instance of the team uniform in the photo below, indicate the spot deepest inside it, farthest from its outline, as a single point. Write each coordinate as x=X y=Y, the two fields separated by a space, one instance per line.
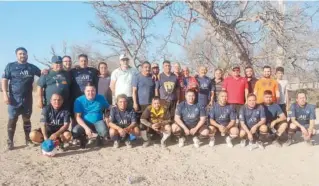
x=190 y=114
x=205 y=89
x=264 y=84
x=251 y=116
x=21 y=77
x=56 y=83
x=222 y=114
x=167 y=86
x=272 y=112
x=54 y=119
x=303 y=114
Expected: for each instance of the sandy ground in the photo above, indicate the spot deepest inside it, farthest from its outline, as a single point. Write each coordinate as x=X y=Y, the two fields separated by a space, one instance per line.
x=294 y=165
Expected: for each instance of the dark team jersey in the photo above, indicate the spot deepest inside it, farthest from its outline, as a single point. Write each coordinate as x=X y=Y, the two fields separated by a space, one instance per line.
x=272 y=112
x=80 y=78
x=55 y=82
x=251 y=116
x=303 y=114
x=205 y=89
x=122 y=118
x=222 y=114
x=54 y=119
x=21 y=77
x=190 y=114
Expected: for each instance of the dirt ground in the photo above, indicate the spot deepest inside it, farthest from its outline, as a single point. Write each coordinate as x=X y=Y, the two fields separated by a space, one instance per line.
x=295 y=165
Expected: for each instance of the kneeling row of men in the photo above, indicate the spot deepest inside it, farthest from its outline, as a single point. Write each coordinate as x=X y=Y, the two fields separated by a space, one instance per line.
x=94 y=119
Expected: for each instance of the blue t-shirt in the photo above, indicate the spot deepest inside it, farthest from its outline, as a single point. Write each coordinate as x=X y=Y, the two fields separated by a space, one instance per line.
x=145 y=88
x=205 y=89
x=303 y=114
x=190 y=114
x=167 y=86
x=80 y=78
x=21 y=77
x=54 y=119
x=222 y=114
x=272 y=112
x=91 y=110
x=122 y=118
x=251 y=116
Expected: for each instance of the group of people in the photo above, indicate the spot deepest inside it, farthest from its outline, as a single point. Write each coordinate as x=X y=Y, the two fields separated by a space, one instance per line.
x=87 y=105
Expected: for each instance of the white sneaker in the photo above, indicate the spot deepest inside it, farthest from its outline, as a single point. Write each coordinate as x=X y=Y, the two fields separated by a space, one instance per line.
x=251 y=146
x=163 y=140
x=116 y=144
x=260 y=145
x=211 y=142
x=181 y=142
x=146 y=143
x=128 y=144
x=90 y=141
x=229 y=142
x=243 y=143
x=196 y=142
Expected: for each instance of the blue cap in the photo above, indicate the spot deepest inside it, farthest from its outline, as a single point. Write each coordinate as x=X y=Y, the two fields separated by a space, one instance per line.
x=56 y=59
x=48 y=145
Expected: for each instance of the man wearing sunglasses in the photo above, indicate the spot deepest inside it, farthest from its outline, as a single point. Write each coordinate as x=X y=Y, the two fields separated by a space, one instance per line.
x=237 y=88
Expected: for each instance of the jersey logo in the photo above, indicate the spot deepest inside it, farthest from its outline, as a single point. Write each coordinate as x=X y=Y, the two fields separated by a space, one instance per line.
x=24 y=73
x=169 y=86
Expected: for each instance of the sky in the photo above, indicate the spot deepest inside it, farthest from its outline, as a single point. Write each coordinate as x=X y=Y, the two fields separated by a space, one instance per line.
x=38 y=25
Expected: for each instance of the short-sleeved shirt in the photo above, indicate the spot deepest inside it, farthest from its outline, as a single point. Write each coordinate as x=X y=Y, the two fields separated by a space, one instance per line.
x=303 y=114
x=104 y=88
x=272 y=112
x=122 y=118
x=222 y=114
x=54 y=119
x=251 y=116
x=21 y=77
x=251 y=84
x=155 y=116
x=91 y=110
x=123 y=80
x=218 y=87
x=266 y=84
x=167 y=86
x=190 y=114
x=80 y=78
x=282 y=90
x=145 y=88
x=55 y=82
x=235 y=88
x=205 y=89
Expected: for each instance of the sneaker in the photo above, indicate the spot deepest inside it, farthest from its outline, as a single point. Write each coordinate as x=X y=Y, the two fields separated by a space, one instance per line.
x=163 y=142
x=309 y=142
x=229 y=142
x=10 y=146
x=90 y=141
x=116 y=144
x=277 y=143
x=243 y=143
x=146 y=143
x=288 y=142
x=28 y=142
x=211 y=142
x=251 y=146
x=260 y=145
x=128 y=144
x=181 y=142
x=196 y=142
x=75 y=142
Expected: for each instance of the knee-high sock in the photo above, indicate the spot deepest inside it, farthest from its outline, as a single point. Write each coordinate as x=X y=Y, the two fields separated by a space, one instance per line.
x=12 y=123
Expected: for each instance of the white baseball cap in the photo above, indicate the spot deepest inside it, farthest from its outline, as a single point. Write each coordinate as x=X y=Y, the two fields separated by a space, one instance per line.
x=123 y=56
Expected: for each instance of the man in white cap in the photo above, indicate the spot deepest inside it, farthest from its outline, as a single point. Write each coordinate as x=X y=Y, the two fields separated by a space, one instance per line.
x=121 y=79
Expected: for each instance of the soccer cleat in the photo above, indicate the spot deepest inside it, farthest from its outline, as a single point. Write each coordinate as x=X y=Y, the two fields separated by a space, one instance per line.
x=260 y=145
x=229 y=142
x=128 y=144
x=251 y=146
x=243 y=143
x=196 y=142
x=116 y=144
x=288 y=142
x=277 y=143
x=211 y=142
x=181 y=142
x=146 y=143
x=90 y=141
x=163 y=140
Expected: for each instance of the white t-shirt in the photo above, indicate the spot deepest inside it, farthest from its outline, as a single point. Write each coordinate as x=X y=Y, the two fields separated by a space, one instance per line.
x=123 y=80
x=282 y=89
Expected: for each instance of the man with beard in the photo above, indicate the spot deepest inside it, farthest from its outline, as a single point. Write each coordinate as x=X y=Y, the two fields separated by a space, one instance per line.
x=19 y=95
x=190 y=119
x=266 y=83
x=250 y=76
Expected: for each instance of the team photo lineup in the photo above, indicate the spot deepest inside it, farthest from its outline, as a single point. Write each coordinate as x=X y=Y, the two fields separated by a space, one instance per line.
x=83 y=106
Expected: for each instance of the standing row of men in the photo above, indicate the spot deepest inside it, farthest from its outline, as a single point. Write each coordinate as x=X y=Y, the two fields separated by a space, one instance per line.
x=153 y=96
